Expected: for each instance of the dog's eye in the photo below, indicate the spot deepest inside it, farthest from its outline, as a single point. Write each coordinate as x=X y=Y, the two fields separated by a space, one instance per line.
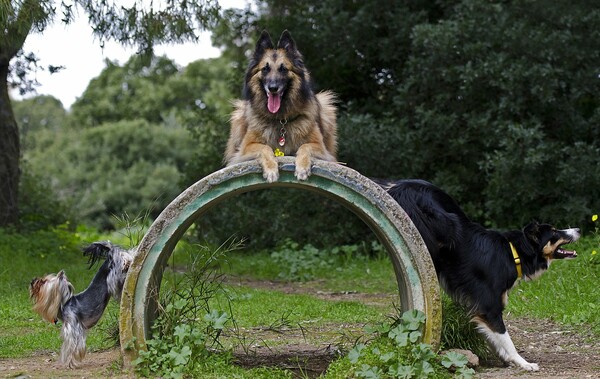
x=266 y=69
x=283 y=69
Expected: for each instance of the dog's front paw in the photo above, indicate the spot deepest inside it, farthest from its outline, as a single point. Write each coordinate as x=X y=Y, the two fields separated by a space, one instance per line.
x=302 y=167
x=302 y=173
x=271 y=175
x=270 y=169
x=530 y=366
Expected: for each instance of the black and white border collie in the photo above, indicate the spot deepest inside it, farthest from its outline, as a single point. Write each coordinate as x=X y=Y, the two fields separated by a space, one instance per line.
x=476 y=266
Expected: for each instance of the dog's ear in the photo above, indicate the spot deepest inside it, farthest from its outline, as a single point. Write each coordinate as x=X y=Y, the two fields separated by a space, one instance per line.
x=287 y=43
x=61 y=275
x=264 y=42
x=531 y=230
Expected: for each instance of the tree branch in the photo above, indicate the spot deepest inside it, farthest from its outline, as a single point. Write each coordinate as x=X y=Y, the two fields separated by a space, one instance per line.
x=31 y=13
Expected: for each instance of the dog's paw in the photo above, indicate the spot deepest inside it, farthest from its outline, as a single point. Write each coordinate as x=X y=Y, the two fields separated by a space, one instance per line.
x=302 y=173
x=302 y=167
x=530 y=366
x=271 y=175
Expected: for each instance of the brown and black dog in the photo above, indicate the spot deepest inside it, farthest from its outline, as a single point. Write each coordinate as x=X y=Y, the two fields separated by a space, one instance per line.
x=280 y=114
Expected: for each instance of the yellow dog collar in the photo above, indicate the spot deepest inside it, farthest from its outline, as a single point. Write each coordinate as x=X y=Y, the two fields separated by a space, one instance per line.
x=517 y=260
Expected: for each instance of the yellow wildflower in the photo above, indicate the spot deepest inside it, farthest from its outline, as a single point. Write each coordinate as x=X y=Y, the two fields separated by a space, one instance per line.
x=594 y=218
x=279 y=153
x=594 y=252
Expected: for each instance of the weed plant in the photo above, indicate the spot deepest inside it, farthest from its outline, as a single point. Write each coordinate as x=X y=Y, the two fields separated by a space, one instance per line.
x=303 y=263
x=458 y=332
x=395 y=352
x=187 y=326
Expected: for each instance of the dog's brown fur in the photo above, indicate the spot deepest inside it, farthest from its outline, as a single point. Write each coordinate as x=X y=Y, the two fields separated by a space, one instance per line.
x=309 y=119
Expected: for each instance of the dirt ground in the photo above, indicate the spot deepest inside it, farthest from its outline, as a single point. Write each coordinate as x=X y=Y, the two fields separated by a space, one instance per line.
x=561 y=352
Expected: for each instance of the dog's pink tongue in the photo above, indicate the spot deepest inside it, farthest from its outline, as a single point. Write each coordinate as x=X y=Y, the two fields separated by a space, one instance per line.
x=273 y=102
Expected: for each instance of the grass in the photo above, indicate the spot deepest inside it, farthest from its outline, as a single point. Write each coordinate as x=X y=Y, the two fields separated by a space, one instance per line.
x=566 y=294
x=264 y=309
x=295 y=308
x=335 y=271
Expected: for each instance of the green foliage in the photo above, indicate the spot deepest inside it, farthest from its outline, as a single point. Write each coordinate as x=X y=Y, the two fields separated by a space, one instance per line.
x=133 y=91
x=307 y=262
x=203 y=89
x=172 y=355
x=144 y=26
x=138 y=155
x=370 y=275
x=300 y=264
x=495 y=102
x=116 y=168
x=395 y=352
x=488 y=121
x=275 y=217
x=38 y=113
x=139 y=24
x=195 y=98
x=502 y=98
x=39 y=208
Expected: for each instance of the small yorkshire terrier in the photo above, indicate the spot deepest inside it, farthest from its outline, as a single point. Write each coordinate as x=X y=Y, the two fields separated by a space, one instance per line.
x=53 y=297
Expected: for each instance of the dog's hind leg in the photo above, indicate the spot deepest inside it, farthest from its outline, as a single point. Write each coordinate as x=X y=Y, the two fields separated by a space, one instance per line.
x=73 y=335
x=503 y=345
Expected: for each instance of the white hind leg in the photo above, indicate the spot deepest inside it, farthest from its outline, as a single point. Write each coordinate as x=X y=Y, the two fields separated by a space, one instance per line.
x=504 y=347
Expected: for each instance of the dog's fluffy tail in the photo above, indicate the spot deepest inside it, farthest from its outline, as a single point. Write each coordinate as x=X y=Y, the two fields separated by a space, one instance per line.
x=118 y=261
x=97 y=251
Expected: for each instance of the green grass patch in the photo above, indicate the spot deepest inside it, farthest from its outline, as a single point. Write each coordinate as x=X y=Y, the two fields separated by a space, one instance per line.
x=261 y=307
x=365 y=269
x=567 y=294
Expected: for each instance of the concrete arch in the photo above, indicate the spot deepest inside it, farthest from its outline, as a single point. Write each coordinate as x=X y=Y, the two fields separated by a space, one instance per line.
x=417 y=282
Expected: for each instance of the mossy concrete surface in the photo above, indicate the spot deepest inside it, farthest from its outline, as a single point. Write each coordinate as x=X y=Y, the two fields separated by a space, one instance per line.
x=417 y=282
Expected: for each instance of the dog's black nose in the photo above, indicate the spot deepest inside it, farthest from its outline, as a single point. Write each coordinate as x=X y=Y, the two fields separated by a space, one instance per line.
x=273 y=88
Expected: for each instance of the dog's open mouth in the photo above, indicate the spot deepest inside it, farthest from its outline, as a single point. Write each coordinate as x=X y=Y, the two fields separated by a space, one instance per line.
x=273 y=101
x=561 y=253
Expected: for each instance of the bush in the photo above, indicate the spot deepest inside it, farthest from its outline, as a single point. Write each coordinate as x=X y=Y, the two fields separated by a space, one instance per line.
x=116 y=168
x=39 y=207
x=266 y=218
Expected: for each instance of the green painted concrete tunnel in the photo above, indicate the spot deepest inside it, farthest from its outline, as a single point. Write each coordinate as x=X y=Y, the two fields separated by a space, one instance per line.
x=417 y=282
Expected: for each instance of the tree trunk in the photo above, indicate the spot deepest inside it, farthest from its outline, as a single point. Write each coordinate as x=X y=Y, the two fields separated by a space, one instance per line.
x=9 y=154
